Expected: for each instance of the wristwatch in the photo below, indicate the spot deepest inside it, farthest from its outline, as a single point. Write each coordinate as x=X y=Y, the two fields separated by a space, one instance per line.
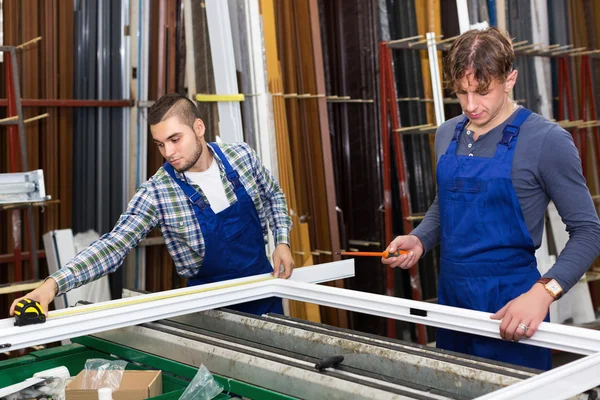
x=552 y=287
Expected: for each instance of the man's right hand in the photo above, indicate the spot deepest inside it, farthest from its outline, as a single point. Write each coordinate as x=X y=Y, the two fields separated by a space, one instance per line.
x=44 y=295
x=410 y=243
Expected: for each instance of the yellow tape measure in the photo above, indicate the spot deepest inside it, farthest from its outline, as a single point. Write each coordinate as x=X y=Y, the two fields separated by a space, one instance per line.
x=28 y=312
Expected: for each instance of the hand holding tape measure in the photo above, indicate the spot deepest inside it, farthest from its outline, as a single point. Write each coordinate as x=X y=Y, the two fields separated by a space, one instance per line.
x=32 y=309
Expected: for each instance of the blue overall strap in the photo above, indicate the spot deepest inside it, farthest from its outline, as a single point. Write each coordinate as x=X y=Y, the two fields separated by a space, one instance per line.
x=451 y=150
x=193 y=196
x=512 y=130
x=232 y=174
x=459 y=128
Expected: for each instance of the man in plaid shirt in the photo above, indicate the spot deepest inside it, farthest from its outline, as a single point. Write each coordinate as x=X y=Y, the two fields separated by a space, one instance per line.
x=212 y=203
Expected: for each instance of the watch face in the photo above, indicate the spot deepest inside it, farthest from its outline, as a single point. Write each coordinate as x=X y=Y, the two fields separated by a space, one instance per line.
x=554 y=287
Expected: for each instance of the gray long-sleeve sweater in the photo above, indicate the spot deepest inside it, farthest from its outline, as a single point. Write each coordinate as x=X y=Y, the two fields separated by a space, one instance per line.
x=546 y=166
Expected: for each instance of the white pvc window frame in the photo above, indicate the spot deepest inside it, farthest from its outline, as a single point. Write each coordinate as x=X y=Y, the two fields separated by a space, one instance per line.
x=114 y=314
x=559 y=383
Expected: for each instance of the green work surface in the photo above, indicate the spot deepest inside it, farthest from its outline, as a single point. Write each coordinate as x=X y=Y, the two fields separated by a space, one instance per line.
x=175 y=376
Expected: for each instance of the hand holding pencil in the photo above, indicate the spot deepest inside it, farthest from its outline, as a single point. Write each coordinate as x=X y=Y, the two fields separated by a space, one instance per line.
x=404 y=252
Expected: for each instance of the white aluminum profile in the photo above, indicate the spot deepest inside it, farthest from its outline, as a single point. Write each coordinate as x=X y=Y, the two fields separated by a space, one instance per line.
x=557 y=384
x=436 y=84
x=463 y=15
x=559 y=337
x=223 y=59
x=126 y=76
x=23 y=187
x=66 y=327
x=142 y=126
x=258 y=118
x=119 y=313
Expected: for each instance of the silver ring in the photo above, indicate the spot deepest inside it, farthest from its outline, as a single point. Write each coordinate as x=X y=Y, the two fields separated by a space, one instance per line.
x=524 y=327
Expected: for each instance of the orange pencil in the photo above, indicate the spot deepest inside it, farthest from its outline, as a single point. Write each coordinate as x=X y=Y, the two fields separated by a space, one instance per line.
x=384 y=254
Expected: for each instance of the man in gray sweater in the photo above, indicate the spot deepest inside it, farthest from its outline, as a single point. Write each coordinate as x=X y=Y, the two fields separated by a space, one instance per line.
x=499 y=165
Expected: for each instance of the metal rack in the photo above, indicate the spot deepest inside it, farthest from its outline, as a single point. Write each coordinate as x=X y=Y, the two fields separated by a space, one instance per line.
x=16 y=135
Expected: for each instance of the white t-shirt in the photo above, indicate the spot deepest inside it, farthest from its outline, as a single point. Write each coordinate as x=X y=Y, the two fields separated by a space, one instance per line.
x=212 y=186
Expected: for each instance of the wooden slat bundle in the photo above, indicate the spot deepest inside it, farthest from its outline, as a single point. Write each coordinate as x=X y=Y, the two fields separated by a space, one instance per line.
x=299 y=44
x=350 y=38
x=204 y=70
x=300 y=241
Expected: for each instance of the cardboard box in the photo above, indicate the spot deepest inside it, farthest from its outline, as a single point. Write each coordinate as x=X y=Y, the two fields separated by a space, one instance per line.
x=135 y=385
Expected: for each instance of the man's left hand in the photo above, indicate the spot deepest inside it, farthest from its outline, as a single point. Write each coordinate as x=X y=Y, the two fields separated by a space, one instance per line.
x=282 y=256
x=528 y=310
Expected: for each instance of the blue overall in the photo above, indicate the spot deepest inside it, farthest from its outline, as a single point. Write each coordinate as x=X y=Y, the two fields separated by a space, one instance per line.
x=487 y=253
x=233 y=239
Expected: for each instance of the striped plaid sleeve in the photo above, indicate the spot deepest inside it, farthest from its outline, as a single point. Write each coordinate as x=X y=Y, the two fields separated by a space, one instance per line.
x=273 y=198
x=106 y=254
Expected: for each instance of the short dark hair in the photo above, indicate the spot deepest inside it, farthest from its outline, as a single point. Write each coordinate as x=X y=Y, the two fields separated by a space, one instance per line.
x=488 y=52
x=173 y=104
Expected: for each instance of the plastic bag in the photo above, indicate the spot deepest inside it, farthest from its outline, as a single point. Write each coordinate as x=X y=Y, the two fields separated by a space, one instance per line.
x=56 y=382
x=49 y=383
x=202 y=387
x=51 y=388
x=99 y=373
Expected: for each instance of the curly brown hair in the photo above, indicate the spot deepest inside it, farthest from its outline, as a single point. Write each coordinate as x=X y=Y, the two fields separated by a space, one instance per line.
x=488 y=53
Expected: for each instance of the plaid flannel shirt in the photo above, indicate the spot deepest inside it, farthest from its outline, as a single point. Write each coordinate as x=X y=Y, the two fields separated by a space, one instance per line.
x=160 y=202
